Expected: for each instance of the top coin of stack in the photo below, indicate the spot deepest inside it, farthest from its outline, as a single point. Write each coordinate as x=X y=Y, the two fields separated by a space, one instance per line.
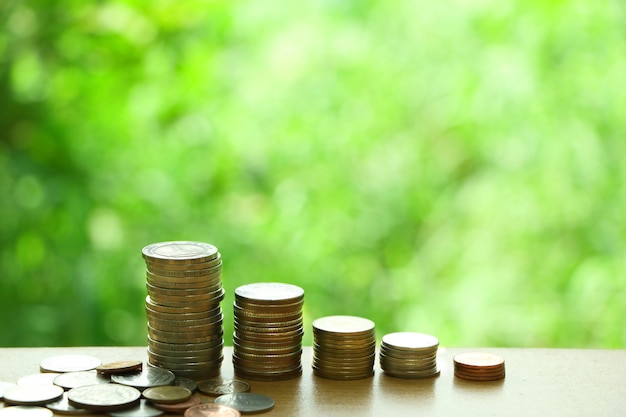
x=267 y=341
x=409 y=355
x=344 y=347
x=183 y=307
x=479 y=366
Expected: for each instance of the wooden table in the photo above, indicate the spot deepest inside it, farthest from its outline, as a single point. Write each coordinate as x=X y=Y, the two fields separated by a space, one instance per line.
x=539 y=382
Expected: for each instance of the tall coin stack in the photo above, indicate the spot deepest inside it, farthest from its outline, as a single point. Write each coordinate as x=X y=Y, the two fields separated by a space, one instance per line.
x=409 y=355
x=183 y=308
x=344 y=347
x=267 y=339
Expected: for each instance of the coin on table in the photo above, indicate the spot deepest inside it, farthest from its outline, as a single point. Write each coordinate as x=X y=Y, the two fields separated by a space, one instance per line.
x=38 y=379
x=219 y=386
x=246 y=402
x=143 y=409
x=181 y=381
x=71 y=380
x=104 y=397
x=212 y=410
x=32 y=394
x=148 y=377
x=4 y=386
x=25 y=411
x=167 y=394
x=120 y=367
x=62 y=406
x=69 y=363
x=178 y=408
x=479 y=360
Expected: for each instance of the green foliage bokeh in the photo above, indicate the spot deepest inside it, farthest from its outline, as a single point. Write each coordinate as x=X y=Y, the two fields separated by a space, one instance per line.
x=453 y=167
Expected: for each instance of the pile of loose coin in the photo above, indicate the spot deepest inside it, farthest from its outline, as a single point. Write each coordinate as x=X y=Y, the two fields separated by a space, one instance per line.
x=183 y=307
x=409 y=355
x=344 y=347
x=479 y=366
x=267 y=339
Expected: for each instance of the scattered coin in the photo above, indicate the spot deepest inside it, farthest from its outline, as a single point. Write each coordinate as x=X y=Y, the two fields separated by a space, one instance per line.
x=62 y=406
x=181 y=381
x=148 y=377
x=38 y=379
x=4 y=386
x=32 y=394
x=25 y=411
x=246 y=402
x=69 y=363
x=104 y=397
x=212 y=410
x=120 y=367
x=167 y=394
x=219 y=386
x=143 y=409
x=178 y=408
x=71 y=380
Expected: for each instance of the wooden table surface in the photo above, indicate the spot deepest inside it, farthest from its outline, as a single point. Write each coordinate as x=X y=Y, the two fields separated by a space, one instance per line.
x=539 y=382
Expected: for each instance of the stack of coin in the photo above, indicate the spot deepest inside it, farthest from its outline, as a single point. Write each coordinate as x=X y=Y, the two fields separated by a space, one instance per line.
x=479 y=366
x=267 y=340
x=344 y=347
x=409 y=355
x=183 y=308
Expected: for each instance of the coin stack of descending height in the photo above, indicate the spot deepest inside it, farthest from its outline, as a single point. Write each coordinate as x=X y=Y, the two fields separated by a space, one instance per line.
x=183 y=308
x=267 y=341
x=409 y=355
x=344 y=347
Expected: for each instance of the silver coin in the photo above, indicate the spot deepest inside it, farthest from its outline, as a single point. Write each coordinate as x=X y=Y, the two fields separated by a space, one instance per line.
x=63 y=406
x=71 y=380
x=104 y=397
x=4 y=386
x=25 y=411
x=181 y=381
x=69 y=363
x=220 y=386
x=246 y=402
x=32 y=394
x=38 y=379
x=143 y=409
x=148 y=377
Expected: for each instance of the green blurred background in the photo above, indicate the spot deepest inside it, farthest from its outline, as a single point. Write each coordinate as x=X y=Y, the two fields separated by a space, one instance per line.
x=450 y=167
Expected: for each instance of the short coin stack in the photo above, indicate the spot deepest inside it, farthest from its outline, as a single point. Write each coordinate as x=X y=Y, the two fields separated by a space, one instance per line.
x=479 y=366
x=183 y=307
x=344 y=347
x=267 y=339
x=409 y=355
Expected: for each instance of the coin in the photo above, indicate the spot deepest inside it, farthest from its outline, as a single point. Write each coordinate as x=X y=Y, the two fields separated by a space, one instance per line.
x=409 y=341
x=275 y=293
x=69 y=363
x=32 y=394
x=212 y=410
x=338 y=325
x=25 y=411
x=220 y=386
x=120 y=367
x=167 y=394
x=148 y=377
x=246 y=402
x=38 y=379
x=143 y=409
x=178 y=408
x=104 y=397
x=4 y=386
x=479 y=366
x=172 y=252
x=62 y=406
x=71 y=380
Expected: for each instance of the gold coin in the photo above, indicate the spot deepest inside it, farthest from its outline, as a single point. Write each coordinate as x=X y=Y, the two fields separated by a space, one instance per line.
x=343 y=325
x=193 y=275
x=183 y=283
x=478 y=360
x=167 y=394
x=409 y=341
x=171 y=300
x=182 y=309
x=274 y=309
x=183 y=292
x=212 y=410
x=176 y=251
x=177 y=408
x=185 y=346
x=120 y=367
x=184 y=266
